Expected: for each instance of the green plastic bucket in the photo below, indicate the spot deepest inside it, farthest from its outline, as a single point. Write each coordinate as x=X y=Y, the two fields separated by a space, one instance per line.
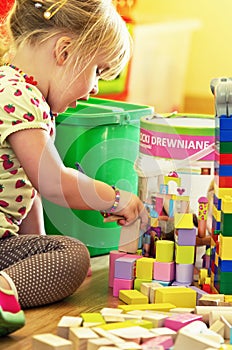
x=103 y=137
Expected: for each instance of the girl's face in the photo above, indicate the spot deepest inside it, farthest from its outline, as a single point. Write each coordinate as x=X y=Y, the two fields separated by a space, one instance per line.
x=72 y=85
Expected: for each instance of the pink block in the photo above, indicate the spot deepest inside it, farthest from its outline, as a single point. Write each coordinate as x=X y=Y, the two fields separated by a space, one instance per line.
x=114 y=254
x=176 y=322
x=164 y=271
x=163 y=341
x=121 y=284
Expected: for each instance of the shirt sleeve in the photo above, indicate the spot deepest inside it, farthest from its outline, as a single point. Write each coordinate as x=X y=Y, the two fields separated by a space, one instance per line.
x=22 y=106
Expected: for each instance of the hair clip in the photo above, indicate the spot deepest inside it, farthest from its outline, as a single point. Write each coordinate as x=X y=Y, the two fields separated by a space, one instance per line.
x=53 y=9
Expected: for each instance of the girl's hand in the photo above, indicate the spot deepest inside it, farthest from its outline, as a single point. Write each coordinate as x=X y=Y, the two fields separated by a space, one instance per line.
x=129 y=209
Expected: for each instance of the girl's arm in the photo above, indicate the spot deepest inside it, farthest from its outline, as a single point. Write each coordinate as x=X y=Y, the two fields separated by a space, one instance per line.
x=34 y=221
x=66 y=186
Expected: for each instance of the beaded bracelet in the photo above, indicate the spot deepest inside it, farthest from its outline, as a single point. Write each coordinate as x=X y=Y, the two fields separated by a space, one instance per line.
x=109 y=212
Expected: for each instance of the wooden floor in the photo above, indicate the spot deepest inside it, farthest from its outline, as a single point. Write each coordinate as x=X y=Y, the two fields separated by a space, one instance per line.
x=93 y=295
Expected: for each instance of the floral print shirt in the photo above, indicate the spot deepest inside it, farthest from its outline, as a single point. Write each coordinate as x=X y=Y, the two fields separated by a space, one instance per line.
x=22 y=106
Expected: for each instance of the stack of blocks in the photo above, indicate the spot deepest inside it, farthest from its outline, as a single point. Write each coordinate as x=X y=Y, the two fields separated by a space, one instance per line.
x=185 y=241
x=221 y=259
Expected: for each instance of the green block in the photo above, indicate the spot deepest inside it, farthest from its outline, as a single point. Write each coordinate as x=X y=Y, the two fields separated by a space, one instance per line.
x=225 y=147
x=226 y=224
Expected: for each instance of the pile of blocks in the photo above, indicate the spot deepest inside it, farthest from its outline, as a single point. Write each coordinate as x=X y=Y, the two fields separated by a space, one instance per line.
x=133 y=327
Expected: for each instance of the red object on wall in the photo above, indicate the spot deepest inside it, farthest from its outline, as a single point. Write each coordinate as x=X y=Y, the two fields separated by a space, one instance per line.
x=5 y=6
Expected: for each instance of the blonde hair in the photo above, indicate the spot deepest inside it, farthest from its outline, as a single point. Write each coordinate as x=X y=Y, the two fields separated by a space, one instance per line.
x=92 y=24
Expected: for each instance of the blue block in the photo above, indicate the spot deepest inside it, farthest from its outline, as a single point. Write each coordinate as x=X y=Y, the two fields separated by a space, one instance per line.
x=216 y=224
x=171 y=208
x=223 y=170
x=224 y=122
x=224 y=135
x=217 y=202
x=225 y=265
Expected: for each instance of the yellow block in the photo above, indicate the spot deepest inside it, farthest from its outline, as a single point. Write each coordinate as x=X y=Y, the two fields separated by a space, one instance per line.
x=179 y=296
x=225 y=247
x=216 y=259
x=183 y=220
x=132 y=296
x=221 y=192
x=139 y=281
x=185 y=254
x=144 y=268
x=157 y=307
x=216 y=213
x=164 y=251
x=92 y=319
x=227 y=204
x=130 y=323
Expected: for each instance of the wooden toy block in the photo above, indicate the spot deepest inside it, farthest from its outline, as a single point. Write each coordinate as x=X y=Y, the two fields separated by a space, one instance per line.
x=104 y=333
x=139 y=281
x=228 y=298
x=164 y=331
x=125 y=268
x=145 y=288
x=206 y=310
x=183 y=310
x=154 y=222
x=144 y=268
x=129 y=345
x=179 y=296
x=178 y=321
x=221 y=192
x=155 y=306
x=227 y=204
x=203 y=273
x=91 y=319
x=216 y=214
x=132 y=297
x=80 y=335
x=191 y=341
x=184 y=254
x=134 y=333
x=184 y=221
x=95 y=344
x=164 y=271
x=112 y=314
x=65 y=323
x=227 y=331
x=216 y=315
x=186 y=237
x=113 y=255
x=127 y=324
x=163 y=341
x=218 y=327
x=164 y=251
x=129 y=237
x=49 y=341
x=154 y=287
x=225 y=247
x=121 y=284
x=184 y=273
x=156 y=318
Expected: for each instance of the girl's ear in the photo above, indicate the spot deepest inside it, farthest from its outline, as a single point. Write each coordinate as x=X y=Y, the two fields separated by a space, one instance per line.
x=61 y=50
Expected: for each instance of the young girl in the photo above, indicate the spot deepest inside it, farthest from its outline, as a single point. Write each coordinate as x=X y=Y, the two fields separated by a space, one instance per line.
x=58 y=50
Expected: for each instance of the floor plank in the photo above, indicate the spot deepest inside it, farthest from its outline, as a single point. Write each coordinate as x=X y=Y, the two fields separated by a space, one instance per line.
x=93 y=295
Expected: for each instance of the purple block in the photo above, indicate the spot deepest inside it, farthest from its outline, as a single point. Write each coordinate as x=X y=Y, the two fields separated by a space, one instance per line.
x=186 y=237
x=124 y=268
x=184 y=273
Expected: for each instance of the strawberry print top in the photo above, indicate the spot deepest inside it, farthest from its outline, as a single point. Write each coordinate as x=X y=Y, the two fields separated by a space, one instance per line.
x=22 y=106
